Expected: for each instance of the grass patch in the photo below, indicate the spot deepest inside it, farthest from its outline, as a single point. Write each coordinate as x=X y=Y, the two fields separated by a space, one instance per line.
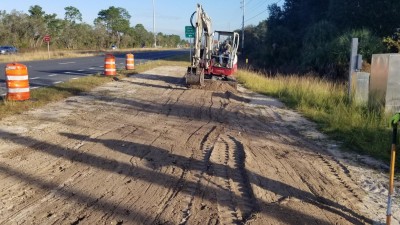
x=361 y=128
x=45 y=95
x=43 y=55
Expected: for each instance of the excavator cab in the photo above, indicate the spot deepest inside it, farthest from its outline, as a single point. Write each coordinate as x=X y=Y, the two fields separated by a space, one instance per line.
x=224 y=56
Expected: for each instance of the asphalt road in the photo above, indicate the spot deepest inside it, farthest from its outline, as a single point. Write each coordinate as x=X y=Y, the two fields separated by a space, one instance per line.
x=50 y=72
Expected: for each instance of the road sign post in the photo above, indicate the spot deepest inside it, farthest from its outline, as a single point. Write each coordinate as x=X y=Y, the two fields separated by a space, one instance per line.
x=47 y=39
x=189 y=33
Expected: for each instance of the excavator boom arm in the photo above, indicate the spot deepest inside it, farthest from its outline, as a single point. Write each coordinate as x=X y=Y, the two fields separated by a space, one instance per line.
x=203 y=27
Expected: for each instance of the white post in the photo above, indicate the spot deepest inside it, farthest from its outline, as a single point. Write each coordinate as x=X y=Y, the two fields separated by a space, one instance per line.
x=190 y=50
x=48 y=48
x=353 y=61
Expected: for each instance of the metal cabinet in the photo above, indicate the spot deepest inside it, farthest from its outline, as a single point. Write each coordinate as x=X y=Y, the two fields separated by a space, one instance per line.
x=385 y=80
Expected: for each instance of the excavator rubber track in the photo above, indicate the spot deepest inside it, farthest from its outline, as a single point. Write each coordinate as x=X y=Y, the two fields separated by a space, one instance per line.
x=195 y=76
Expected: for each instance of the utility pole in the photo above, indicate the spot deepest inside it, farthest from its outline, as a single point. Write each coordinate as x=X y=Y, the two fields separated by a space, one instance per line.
x=243 y=4
x=154 y=26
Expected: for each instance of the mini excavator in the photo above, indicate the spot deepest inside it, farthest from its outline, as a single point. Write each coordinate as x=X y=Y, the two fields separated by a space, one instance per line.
x=215 y=53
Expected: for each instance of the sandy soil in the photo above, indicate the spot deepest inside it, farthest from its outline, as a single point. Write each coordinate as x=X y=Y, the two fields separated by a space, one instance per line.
x=148 y=150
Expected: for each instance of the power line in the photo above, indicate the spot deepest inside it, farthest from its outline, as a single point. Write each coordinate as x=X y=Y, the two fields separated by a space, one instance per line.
x=263 y=10
x=256 y=15
x=258 y=5
x=249 y=2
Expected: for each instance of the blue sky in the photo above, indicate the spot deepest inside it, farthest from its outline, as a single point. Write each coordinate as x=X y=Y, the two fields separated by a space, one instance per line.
x=171 y=15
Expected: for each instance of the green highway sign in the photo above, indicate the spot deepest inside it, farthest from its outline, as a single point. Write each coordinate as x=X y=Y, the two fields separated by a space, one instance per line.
x=189 y=31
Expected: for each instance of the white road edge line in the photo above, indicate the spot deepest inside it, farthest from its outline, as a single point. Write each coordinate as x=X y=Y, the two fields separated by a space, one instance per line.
x=34 y=78
x=66 y=63
x=74 y=78
x=34 y=87
x=52 y=75
x=80 y=70
x=57 y=82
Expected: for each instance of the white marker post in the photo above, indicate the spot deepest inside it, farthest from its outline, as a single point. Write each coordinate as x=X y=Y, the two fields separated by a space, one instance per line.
x=47 y=38
x=353 y=62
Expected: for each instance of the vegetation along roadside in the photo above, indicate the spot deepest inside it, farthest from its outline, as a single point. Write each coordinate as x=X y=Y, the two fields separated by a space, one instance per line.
x=363 y=129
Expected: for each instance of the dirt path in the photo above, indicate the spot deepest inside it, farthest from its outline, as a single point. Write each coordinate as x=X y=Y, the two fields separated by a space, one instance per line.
x=147 y=150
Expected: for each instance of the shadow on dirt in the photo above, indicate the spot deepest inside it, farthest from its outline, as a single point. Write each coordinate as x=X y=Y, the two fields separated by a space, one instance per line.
x=166 y=79
x=230 y=95
x=156 y=85
x=155 y=177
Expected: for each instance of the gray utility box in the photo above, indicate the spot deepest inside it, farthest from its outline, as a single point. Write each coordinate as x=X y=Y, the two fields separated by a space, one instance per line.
x=385 y=80
x=360 y=87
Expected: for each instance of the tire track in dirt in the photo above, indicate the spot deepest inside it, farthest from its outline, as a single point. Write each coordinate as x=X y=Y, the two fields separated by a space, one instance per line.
x=236 y=202
x=337 y=170
x=198 y=170
x=198 y=162
x=192 y=174
x=333 y=168
x=277 y=128
x=317 y=180
x=187 y=173
x=247 y=202
x=342 y=174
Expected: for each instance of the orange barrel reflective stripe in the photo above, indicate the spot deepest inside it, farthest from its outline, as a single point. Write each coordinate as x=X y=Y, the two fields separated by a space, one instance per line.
x=130 y=62
x=17 y=82
x=109 y=65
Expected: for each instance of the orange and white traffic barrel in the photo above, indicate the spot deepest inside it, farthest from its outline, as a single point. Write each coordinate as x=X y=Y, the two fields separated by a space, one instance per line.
x=109 y=65
x=17 y=82
x=130 y=62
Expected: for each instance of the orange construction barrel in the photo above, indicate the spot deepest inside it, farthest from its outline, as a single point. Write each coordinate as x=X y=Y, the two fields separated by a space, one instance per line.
x=17 y=82
x=109 y=65
x=130 y=62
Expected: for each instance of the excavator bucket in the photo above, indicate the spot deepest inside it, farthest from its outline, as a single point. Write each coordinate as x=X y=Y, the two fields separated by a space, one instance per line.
x=195 y=76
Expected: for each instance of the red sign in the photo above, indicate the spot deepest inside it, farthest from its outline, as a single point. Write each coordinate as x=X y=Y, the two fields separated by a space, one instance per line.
x=46 y=38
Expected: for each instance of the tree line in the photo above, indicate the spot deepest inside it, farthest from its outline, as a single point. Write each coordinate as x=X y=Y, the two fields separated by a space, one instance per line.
x=315 y=35
x=111 y=27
